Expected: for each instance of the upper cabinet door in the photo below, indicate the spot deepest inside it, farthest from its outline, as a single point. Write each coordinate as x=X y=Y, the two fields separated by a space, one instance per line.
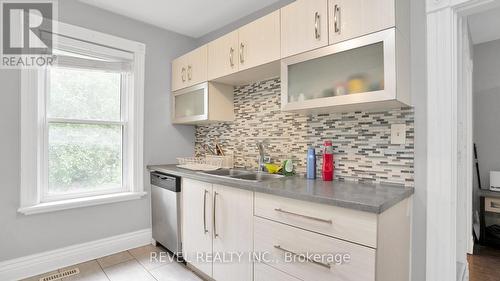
x=190 y=69
x=223 y=56
x=259 y=41
x=197 y=66
x=179 y=73
x=304 y=26
x=353 y=18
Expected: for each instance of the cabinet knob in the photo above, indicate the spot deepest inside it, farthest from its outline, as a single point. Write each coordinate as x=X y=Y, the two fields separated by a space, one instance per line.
x=183 y=74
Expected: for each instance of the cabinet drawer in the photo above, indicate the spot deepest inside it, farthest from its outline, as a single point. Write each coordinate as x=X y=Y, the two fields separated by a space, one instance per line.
x=356 y=226
x=263 y=272
x=492 y=205
x=335 y=260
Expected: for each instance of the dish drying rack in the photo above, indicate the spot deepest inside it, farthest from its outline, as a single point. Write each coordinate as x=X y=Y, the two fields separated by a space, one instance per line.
x=207 y=163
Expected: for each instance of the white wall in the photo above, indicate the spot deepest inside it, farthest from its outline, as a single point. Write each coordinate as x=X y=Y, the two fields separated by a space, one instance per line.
x=23 y=235
x=487 y=108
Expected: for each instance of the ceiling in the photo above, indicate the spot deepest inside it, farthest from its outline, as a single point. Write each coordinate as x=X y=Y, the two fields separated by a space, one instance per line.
x=193 y=18
x=485 y=26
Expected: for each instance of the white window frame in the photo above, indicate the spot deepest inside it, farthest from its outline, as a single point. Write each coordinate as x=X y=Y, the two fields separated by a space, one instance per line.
x=34 y=168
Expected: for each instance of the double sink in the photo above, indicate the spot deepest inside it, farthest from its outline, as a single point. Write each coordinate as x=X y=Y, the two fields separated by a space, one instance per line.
x=243 y=175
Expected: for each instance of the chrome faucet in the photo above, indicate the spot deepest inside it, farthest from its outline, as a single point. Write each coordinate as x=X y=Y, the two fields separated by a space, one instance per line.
x=263 y=159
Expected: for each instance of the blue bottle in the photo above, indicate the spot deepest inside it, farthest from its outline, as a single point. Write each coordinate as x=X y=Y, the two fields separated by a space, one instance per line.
x=311 y=163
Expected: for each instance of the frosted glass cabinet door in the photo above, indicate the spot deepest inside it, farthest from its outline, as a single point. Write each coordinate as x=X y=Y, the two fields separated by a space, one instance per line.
x=191 y=104
x=358 y=71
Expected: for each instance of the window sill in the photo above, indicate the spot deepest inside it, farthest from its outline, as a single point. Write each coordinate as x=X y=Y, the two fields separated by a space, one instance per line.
x=80 y=202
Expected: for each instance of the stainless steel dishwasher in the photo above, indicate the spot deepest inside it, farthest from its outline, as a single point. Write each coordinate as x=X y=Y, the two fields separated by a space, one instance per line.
x=166 y=211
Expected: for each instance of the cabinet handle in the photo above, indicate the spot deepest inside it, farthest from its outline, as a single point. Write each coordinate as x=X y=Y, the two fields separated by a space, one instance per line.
x=215 y=204
x=494 y=205
x=325 y=265
x=317 y=19
x=336 y=18
x=190 y=72
x=183 y=74
x=303 y=216
x=242 y=49
x=231 y=54
x=205 y=230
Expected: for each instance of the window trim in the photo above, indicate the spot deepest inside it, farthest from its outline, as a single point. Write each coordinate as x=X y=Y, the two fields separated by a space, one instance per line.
x=33 y=134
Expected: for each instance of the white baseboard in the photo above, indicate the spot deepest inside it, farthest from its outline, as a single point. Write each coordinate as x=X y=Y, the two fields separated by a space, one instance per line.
x=32 y=265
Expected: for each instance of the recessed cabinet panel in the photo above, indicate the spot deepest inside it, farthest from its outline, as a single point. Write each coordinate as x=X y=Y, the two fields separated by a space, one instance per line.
x=203 y=103
x=190 y=104
x=358 y=71
x=304 y=26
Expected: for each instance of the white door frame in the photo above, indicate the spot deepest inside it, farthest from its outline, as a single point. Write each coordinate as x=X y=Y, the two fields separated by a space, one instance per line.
x=444 y=72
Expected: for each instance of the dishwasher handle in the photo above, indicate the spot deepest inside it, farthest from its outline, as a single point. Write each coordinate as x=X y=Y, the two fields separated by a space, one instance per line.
x=165 y=181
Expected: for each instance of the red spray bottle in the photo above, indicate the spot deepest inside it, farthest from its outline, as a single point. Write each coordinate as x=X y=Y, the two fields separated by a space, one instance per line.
x=328 y=161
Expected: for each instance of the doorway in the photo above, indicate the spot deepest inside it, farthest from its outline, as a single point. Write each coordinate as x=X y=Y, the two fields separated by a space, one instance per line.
x=484 y=107
x=450 y=136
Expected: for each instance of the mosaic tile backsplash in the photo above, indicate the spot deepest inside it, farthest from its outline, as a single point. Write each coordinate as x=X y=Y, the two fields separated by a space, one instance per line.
x=361 y=140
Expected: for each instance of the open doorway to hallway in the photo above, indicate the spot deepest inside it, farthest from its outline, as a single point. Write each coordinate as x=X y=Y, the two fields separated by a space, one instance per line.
x=484 y=261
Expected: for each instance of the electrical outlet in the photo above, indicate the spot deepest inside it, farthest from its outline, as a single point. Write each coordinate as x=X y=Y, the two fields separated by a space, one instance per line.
x=398 y=134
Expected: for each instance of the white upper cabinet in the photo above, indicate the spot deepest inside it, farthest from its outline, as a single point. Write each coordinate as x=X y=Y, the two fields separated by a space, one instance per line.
x=190 y=69
x=353 y=18
x=304 y=26
x=259 y=41
x=366 y=73
x=223 y=56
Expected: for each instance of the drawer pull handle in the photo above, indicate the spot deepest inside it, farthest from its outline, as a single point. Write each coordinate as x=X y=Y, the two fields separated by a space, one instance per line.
x=494 y=205
x=325 y=265
x=303 y=216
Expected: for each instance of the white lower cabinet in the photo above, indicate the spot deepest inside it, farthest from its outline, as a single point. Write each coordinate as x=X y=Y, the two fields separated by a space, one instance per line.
x=218 y=230
x=330 y=258
x=233 y=234
x=285 y=239
x=264 y=272
x=196 y=226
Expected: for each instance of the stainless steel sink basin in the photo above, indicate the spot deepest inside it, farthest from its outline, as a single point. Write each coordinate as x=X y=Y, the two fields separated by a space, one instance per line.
x=258 y=177
x=243 y=175
x=227 y=172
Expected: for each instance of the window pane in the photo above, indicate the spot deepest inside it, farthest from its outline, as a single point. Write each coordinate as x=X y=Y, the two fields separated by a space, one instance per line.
x=84 y=158
x=84 y=94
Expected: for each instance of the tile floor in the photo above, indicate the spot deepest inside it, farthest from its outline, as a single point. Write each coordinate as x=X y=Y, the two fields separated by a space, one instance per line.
x=131 y=265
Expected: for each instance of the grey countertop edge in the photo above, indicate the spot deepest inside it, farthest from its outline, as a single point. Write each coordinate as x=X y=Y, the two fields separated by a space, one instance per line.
x=261 y=187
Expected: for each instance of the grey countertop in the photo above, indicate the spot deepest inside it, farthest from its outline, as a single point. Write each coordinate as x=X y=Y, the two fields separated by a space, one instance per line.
x=373 y=198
